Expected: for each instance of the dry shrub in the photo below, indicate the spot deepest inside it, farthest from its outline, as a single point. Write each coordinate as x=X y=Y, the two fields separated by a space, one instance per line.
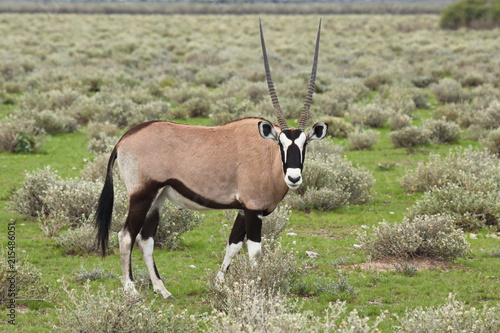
x=330 y=105
x=324 y=147
x=449 y=91
x=473 y=79
x=59 y=203
x=102 y=144
x=276 y=271
x=361 y=140
x=247 y=308
x=52 y=122
x=322 y=199
x=399 y=120
x=453 y=316
x=452 y=112
x=115 y=311
x=337 y=127
x=404 y=99
x=28 y=281
x=173 y=224
x=212 y=76
x=460 y=167
x=96 y=130
x=492 y=142
x=20 y=135
x=229 y=109
x=442 y=131
x=378 y=79
x=484 y=95
x=28 y=199
x=488 y=118
x=431 y=236
x=80 y=240
x=124 y=113
x=472 y=207
x=373 y=115
x=330 y=181
x=195 y=107
x=410 y=137
x=423 y=81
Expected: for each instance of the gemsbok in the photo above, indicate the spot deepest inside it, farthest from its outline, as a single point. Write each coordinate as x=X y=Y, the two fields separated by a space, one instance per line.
x=247 y=164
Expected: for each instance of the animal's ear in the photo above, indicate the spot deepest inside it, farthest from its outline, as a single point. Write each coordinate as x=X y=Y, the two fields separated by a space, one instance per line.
x=267 y=131
x=317 y=132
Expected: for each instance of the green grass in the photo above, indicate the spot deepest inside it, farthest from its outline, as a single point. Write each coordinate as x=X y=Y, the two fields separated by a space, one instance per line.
x=332 y=234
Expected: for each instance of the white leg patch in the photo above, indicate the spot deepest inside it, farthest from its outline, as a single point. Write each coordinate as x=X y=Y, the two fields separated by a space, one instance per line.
x=125 y=242
x=147 y=246
x=254 y=251
x=231 y=251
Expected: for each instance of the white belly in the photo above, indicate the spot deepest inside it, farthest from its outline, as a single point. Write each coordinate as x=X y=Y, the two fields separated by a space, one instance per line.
x=182 y=202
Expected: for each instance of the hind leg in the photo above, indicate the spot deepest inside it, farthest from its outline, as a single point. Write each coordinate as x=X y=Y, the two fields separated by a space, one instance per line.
x=145 y=240
x=139 y=206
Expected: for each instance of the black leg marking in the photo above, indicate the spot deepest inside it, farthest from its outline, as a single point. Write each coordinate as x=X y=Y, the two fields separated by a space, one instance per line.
x=238 y=231
x=253 y=225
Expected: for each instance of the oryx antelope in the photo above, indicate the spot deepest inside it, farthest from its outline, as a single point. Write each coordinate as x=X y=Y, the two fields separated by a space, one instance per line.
x=247 y=164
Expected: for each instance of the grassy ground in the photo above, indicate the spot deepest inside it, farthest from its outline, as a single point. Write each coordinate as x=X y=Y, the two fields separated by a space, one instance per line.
x=354 y=47
x=332 y=234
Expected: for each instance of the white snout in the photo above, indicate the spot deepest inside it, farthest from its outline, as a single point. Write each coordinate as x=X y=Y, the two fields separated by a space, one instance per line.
x=293 y=178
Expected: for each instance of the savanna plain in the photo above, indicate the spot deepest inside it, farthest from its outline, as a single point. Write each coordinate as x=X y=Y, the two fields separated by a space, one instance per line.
x=396 y=227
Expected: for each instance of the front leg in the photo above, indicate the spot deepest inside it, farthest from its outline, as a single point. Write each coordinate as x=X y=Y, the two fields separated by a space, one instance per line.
x=253 y=226
x=235 y=243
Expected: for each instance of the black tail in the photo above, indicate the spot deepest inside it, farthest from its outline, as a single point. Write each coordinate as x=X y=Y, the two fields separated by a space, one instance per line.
x=105 y=207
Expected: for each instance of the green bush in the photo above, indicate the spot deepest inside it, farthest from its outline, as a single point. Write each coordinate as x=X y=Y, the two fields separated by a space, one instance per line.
x=430 y=236
x=471 y=14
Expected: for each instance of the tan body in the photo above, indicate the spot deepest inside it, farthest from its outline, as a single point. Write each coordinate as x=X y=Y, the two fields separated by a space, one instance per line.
x=223 y=164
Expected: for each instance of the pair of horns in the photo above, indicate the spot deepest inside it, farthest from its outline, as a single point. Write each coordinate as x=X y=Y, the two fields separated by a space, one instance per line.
x=304 y=114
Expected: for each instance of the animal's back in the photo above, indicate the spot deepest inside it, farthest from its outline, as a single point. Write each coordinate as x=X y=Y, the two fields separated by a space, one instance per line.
x=228 y=162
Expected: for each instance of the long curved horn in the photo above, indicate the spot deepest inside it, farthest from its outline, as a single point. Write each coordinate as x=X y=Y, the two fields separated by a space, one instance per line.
x=304 y=114
x=272 y=91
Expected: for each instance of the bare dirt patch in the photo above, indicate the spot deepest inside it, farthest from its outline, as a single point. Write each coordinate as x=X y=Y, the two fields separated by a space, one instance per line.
x=420 y=264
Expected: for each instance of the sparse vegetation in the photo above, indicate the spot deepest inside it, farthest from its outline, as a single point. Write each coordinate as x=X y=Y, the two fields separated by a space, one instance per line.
x=432 y=236
x=71 y=85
